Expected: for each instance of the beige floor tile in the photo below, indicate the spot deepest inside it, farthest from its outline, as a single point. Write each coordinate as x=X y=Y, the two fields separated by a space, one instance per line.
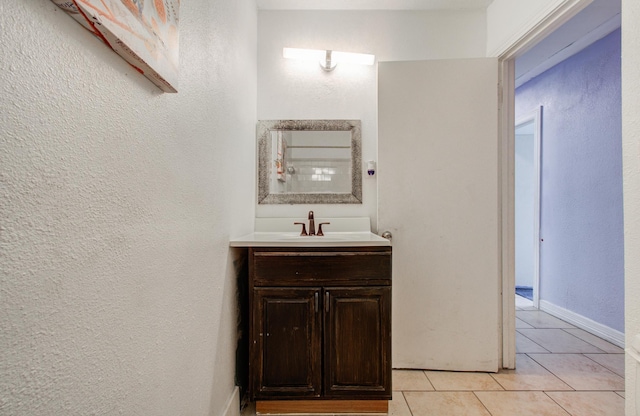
x=558 y=341
x=522 y=324
x=580 y=372
x=461 y=381
x=520 y=403
x=594 y=340
x=410 y=380
x=621 y=394
x=524 y=345
x=436 y=403
x=398 y=405
x=589 y=403
x=539 y=319
x=529 y=375
x=614 y=362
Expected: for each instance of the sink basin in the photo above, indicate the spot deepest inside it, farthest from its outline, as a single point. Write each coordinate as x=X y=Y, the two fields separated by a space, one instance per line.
x=281 y=232
x=348 y=239
x=326 y=237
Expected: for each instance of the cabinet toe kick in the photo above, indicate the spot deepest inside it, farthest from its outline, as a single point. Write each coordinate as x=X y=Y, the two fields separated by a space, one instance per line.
x=322 y=406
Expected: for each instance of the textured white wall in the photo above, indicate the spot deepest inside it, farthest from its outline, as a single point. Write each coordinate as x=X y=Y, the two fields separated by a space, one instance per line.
x=631 y=179
x=290 y=89
x=117 y=288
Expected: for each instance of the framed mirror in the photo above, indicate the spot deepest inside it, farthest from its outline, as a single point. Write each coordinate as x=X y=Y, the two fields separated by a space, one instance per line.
x=309 y=162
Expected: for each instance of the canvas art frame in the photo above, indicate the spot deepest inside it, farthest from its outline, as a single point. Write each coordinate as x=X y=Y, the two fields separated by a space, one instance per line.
x=143 y=32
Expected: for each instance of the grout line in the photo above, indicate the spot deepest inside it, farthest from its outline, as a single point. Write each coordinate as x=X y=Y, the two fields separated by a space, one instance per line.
x=482 y=403
x=407 y=403
x=568 y=412
x=429 y=380
x=601 y=365
x=547 y=351
x=549 y=370
x=594 y=346
x=500 y=384
x=596 y=336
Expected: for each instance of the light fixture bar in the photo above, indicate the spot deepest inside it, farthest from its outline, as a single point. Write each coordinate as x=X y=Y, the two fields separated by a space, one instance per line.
x=303 y=54
x=354 y=58
x=328 y=58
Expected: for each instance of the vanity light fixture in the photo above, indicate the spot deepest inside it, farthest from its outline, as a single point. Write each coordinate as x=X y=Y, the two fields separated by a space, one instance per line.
x=328 y=59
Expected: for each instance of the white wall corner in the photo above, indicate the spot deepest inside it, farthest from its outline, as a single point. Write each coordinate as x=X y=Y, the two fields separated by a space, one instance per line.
x=577 y=46
x=233 y=404
x=532 y=25
x=609 y=334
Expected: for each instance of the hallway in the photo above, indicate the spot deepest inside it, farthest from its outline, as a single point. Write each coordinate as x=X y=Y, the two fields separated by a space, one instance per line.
x=561 y=370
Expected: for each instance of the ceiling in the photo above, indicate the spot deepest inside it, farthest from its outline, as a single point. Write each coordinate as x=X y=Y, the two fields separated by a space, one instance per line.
x=372 y=4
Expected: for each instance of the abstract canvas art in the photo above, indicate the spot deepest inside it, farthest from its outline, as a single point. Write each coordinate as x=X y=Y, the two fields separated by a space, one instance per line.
x=143 y=32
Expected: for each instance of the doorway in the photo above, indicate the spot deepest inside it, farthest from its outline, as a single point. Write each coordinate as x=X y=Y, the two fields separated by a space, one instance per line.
x=527 y=206
x=508 y=167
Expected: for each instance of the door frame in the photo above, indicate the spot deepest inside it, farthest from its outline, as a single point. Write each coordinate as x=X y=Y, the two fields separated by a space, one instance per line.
x=506 y=138
x=535 y=116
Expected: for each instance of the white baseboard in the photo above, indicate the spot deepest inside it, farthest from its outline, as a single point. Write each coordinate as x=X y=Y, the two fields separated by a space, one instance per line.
x=582 y=322
x=233 y=404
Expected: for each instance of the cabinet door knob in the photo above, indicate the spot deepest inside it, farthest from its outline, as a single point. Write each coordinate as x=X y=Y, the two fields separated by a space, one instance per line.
x=326 y=301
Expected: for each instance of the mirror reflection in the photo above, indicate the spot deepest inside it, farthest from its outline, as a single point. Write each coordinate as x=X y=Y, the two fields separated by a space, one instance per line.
x=309 y=161
x=306 y=161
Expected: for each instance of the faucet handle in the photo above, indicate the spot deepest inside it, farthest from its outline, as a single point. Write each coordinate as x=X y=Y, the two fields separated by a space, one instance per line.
x=304 y=227
x=320 y=233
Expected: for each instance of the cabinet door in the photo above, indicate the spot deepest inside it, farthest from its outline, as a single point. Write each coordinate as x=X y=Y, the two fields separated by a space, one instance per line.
x=358 y=342
x=286 y=343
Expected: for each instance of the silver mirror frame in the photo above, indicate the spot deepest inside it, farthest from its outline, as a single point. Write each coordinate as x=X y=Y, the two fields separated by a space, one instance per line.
x=264 y=166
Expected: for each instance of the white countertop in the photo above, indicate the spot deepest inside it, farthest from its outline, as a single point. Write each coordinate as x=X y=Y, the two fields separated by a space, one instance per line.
x=281 y=232
x=335 y=239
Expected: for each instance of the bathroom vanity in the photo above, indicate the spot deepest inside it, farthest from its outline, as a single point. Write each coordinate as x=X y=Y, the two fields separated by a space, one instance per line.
x=319 y=321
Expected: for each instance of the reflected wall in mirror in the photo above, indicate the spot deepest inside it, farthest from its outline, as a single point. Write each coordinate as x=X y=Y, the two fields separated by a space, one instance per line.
x=309 y=162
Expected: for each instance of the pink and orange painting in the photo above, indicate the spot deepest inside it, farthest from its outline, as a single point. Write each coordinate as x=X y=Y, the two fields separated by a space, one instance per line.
x=143 y=32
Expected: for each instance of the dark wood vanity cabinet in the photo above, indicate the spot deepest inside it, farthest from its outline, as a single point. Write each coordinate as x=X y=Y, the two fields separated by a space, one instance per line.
x=357 y=342
x=320 y=323
x=285 y=343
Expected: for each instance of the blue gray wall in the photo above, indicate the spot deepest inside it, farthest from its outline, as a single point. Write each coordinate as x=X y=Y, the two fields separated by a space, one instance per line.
x=581 y=253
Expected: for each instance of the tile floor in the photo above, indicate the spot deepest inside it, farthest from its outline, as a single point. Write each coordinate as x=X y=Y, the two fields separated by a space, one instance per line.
x=560 y=370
